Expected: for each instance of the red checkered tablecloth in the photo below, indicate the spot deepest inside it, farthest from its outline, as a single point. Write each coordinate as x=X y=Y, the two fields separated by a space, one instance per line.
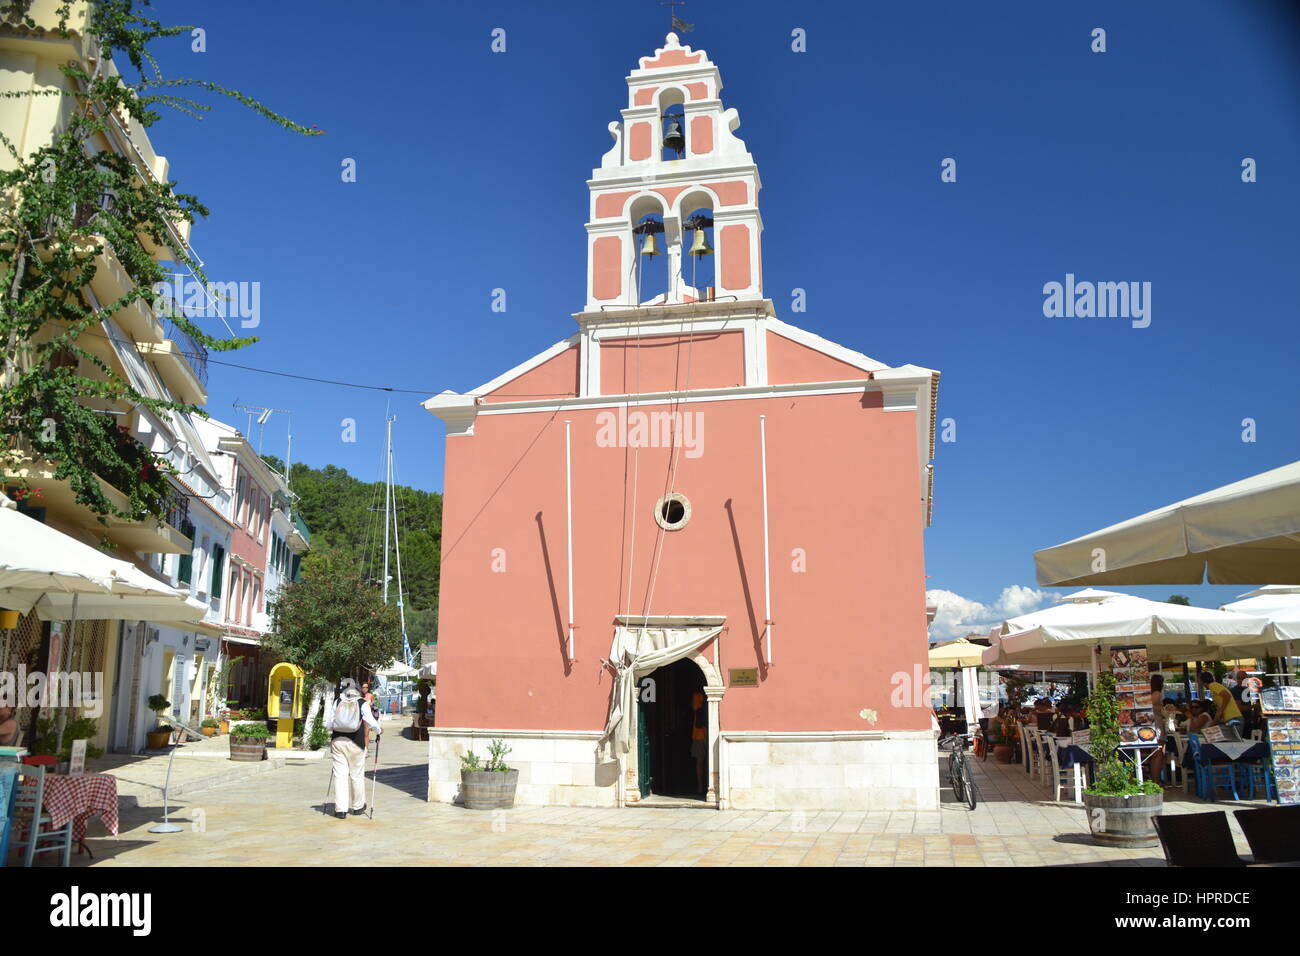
x=80 y=798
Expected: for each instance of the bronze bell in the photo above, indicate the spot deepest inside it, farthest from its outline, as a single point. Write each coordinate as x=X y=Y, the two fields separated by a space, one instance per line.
x=673 y=138
x=649 y=248
x=700 y=246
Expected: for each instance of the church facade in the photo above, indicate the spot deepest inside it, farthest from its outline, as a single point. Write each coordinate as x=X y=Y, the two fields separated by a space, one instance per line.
x=683 y=549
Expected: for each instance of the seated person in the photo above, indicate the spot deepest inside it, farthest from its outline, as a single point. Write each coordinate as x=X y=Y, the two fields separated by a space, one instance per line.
x=9 y=732
x=1201 y=717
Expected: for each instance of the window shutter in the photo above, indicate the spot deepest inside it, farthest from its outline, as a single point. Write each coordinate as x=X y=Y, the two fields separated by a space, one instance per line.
x=218 y=559
x=185 y=567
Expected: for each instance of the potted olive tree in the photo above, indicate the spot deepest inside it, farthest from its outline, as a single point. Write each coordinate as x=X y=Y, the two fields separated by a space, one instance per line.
x=158 y=737
x=248 y=742
x=1119 y=808
x=491 y=785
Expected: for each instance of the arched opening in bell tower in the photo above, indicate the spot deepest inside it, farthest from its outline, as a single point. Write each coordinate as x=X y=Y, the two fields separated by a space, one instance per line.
x=672 y=128
x=649 y=278
x=698 y=260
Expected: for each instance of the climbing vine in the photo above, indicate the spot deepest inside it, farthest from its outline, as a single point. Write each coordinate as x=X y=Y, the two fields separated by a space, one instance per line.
x=64 y=208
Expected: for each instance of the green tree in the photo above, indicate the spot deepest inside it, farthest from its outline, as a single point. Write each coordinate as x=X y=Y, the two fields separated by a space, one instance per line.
x=1179 y=599
x=346 y=513
x=61 y=207
x=331 y=622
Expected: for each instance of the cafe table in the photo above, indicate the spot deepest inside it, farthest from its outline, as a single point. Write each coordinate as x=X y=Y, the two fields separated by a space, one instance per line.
x=78 y=798
x=1247 y=751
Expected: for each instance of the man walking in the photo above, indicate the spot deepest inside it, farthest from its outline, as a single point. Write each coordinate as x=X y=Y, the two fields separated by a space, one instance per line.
x=352 y=715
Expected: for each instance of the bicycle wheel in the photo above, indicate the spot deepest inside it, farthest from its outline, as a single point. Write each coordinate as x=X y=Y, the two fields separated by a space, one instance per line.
x=954 y=771
x=968 y=785
x=956 y=776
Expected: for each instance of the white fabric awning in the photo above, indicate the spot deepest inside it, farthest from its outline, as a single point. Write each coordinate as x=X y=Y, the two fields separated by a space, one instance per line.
x=43 y=568
x=641 y=645
x=1247 y=532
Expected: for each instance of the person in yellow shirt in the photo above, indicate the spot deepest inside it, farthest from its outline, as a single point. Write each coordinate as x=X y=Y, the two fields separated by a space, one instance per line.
x=1226 y=710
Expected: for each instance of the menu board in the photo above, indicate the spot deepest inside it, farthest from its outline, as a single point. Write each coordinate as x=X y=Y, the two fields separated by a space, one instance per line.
x=1280 y=700
x=1282 y=729
x=1137 y=721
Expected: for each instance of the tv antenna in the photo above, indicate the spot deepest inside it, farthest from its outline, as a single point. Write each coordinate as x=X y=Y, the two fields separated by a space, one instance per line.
x=264 y=413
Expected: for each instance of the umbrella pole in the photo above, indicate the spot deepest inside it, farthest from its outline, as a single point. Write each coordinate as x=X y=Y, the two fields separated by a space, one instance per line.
x=62 y=719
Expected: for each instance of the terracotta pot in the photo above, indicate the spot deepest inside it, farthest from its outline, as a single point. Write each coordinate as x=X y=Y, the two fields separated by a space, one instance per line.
x=9 y=618
x=208 y=731
x=225 y=726
x=157 y=739
x=1003 y=753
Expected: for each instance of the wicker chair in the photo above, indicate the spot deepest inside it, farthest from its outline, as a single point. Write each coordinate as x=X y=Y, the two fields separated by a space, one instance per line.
x=1272 y=832
x=1197 y=839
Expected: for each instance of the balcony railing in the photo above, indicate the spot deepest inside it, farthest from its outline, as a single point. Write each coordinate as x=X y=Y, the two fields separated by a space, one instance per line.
x=178 y=508
x=196 y=353
x=302 y=528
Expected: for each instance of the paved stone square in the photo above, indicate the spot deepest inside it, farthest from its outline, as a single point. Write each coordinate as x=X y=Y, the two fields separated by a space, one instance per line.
x=284 y=817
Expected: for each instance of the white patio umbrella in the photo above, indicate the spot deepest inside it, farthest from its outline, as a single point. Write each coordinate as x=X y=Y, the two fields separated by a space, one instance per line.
x=1089 y=621
x=1280 y=603
x=44 y=569
x=961 y=654
x=1242 y=533
x=398 y=670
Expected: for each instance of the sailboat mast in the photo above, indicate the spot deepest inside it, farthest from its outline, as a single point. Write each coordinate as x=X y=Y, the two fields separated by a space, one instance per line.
x=388 y=499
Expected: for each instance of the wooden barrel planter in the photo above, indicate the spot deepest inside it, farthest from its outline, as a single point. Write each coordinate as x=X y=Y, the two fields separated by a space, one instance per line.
x=488 y=789
x=244 y=748
x=1123 y=821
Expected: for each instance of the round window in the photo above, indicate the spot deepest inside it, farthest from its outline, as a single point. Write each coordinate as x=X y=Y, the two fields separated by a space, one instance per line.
x=672 y=511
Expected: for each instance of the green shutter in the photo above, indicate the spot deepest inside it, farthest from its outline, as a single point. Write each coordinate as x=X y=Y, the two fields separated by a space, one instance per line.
x=185 y=568
x=218 y=560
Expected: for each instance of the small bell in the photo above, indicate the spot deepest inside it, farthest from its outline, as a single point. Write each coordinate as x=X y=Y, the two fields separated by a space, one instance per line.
x=673 y=138
x=700 y=246
x=649 y=248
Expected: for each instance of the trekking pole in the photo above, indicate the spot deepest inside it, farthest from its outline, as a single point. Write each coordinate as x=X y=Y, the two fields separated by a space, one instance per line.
x=374 y=778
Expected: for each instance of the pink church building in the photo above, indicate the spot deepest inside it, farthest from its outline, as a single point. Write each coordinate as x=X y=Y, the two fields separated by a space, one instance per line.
x=683 y=551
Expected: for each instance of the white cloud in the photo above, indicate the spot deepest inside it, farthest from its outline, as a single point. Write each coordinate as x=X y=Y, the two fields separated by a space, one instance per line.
x=957 y=615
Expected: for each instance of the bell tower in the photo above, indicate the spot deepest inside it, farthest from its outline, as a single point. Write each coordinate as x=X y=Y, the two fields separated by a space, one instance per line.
x=676 y=183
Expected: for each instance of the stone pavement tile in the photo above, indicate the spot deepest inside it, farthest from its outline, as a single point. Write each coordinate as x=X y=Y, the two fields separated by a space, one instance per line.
x=900 y=822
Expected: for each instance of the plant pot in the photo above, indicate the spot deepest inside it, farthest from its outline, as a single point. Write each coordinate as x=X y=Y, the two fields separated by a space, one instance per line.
x=9 y=618
x=208 y=731
x=1004 y=753
x=247 y=749
x=157 y=739
x=488 y=789
x=1123 y=821
x=225 y=727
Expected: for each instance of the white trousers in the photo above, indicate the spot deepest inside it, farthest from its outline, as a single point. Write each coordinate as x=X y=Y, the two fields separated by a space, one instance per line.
x=349 y=775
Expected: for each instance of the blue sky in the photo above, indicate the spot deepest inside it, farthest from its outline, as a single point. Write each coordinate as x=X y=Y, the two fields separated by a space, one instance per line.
x=471 y=170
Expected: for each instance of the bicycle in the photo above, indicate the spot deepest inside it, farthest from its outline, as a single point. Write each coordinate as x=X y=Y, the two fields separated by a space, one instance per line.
x=960 y=776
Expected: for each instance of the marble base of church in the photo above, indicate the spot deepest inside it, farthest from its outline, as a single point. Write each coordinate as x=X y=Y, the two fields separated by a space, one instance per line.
x=752 y=770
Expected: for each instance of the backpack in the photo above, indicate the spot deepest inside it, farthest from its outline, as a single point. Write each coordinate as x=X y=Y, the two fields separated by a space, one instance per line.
x=347 y=715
